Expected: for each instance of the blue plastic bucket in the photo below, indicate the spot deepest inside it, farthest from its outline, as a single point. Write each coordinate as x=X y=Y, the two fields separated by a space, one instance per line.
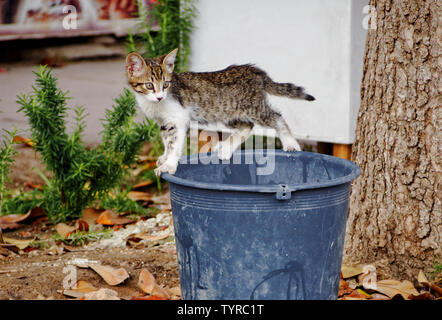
x=266 y=224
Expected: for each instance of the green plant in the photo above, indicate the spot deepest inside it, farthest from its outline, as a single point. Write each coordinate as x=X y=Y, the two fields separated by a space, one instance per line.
x=6 y=159
x=164 y=26
x=80 y=175
x=79 y=238
x=23 y=202
x=121 y=203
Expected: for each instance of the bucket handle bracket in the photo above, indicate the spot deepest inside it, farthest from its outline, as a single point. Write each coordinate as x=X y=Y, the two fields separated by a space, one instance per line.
x=284 y=193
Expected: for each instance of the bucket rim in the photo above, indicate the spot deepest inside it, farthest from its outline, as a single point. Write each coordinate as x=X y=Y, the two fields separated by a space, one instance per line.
x=354 y=173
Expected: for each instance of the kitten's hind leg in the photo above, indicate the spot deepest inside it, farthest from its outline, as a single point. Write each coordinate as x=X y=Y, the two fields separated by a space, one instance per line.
x=284 y=133
x=225 y=148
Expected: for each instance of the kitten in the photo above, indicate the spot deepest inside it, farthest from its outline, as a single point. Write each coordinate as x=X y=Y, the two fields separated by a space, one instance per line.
x=235 y=96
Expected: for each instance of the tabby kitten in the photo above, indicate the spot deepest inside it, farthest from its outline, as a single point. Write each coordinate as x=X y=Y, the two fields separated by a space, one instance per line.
x=235 y=96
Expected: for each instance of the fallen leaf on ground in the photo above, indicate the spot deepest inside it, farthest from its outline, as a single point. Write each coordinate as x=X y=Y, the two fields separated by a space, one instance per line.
x=25 y=141
x=139 y=196
x=422 y=296
x=109 y=218
x=379 y=296
x=10 y=221
x=72 y=293
x=102 y=294
x=63 y=229
x=149 y=237
x=421 y=278
x=351 y=271
x=83 y=287
x=344 y=288
x=360 y=293
x=90 y=215
x=34 y=186
x=81 y=225
x=20 y=244
x=160 y=292
x=143 y=184
x=392 y=288
x=175 y=292
x=146 y=281
x=111 y=275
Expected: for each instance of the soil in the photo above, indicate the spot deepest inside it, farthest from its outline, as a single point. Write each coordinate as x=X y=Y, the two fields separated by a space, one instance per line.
x=39 y=274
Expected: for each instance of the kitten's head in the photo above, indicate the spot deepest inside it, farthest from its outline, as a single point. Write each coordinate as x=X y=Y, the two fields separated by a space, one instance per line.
x=150 y=78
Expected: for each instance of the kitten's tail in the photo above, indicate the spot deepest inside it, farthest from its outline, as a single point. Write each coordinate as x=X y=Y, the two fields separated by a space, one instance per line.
x=286 y=89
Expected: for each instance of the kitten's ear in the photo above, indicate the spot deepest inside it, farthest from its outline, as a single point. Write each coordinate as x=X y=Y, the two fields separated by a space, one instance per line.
x=169 y=60
x=135 y=65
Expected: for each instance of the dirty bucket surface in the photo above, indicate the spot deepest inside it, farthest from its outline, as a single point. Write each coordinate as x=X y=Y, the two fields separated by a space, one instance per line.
x=264 y=225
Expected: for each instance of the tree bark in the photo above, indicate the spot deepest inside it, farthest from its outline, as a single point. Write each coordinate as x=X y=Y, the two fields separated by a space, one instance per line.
x=395 y=217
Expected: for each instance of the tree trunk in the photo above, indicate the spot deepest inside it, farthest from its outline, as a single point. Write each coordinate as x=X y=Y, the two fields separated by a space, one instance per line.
x=395 y=217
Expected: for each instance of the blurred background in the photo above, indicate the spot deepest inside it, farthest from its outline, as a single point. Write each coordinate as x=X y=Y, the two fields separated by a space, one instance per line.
x=317 y=44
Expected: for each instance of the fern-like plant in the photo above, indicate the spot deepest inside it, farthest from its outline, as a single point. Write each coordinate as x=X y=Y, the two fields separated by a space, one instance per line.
x=80 y=175
x=164 y=26
x=6 y=159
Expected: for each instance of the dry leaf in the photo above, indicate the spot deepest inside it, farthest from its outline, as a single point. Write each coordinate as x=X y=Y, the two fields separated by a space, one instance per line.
x=72 y=293
x=83 y=287
x=111 y=275
x=34 y=186
x=421 y=278
x=143 y=184
x=175 y=291
x=109 y=218
x=20 y=244
x=146 y=281
x=160 y=292
x=145 y=236
x=139 y=196
x=25 y=141
x=395 y=287
x=90 y=215
x=351 y=271
x=379 y=296
x=81 y=225
x=422 y=296
x=102 y=294
x=10 y=221
x=63 y=229
x=344 y=289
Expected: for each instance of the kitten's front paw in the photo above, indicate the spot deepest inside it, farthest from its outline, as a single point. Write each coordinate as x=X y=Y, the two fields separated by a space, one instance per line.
x=161 y=160
x=169 y=167
x=292 y=148
x=223 y=151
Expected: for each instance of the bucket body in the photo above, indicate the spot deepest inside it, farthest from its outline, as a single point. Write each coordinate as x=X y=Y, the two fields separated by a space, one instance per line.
x=242 y=235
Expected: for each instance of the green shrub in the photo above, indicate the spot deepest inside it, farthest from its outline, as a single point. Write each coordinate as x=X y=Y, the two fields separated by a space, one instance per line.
x=80 y=175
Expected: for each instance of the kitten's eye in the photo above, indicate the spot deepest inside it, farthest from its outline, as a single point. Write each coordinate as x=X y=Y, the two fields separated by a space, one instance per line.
x=149 y=85
x=166 y=84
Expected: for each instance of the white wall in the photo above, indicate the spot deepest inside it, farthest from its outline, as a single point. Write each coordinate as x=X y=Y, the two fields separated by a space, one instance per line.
x=317 y=44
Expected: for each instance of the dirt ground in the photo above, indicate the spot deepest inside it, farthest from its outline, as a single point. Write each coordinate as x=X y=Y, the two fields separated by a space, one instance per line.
x=41 y=273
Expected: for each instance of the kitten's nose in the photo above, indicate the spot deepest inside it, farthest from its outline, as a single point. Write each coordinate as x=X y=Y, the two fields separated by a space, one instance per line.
x=159 y=98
